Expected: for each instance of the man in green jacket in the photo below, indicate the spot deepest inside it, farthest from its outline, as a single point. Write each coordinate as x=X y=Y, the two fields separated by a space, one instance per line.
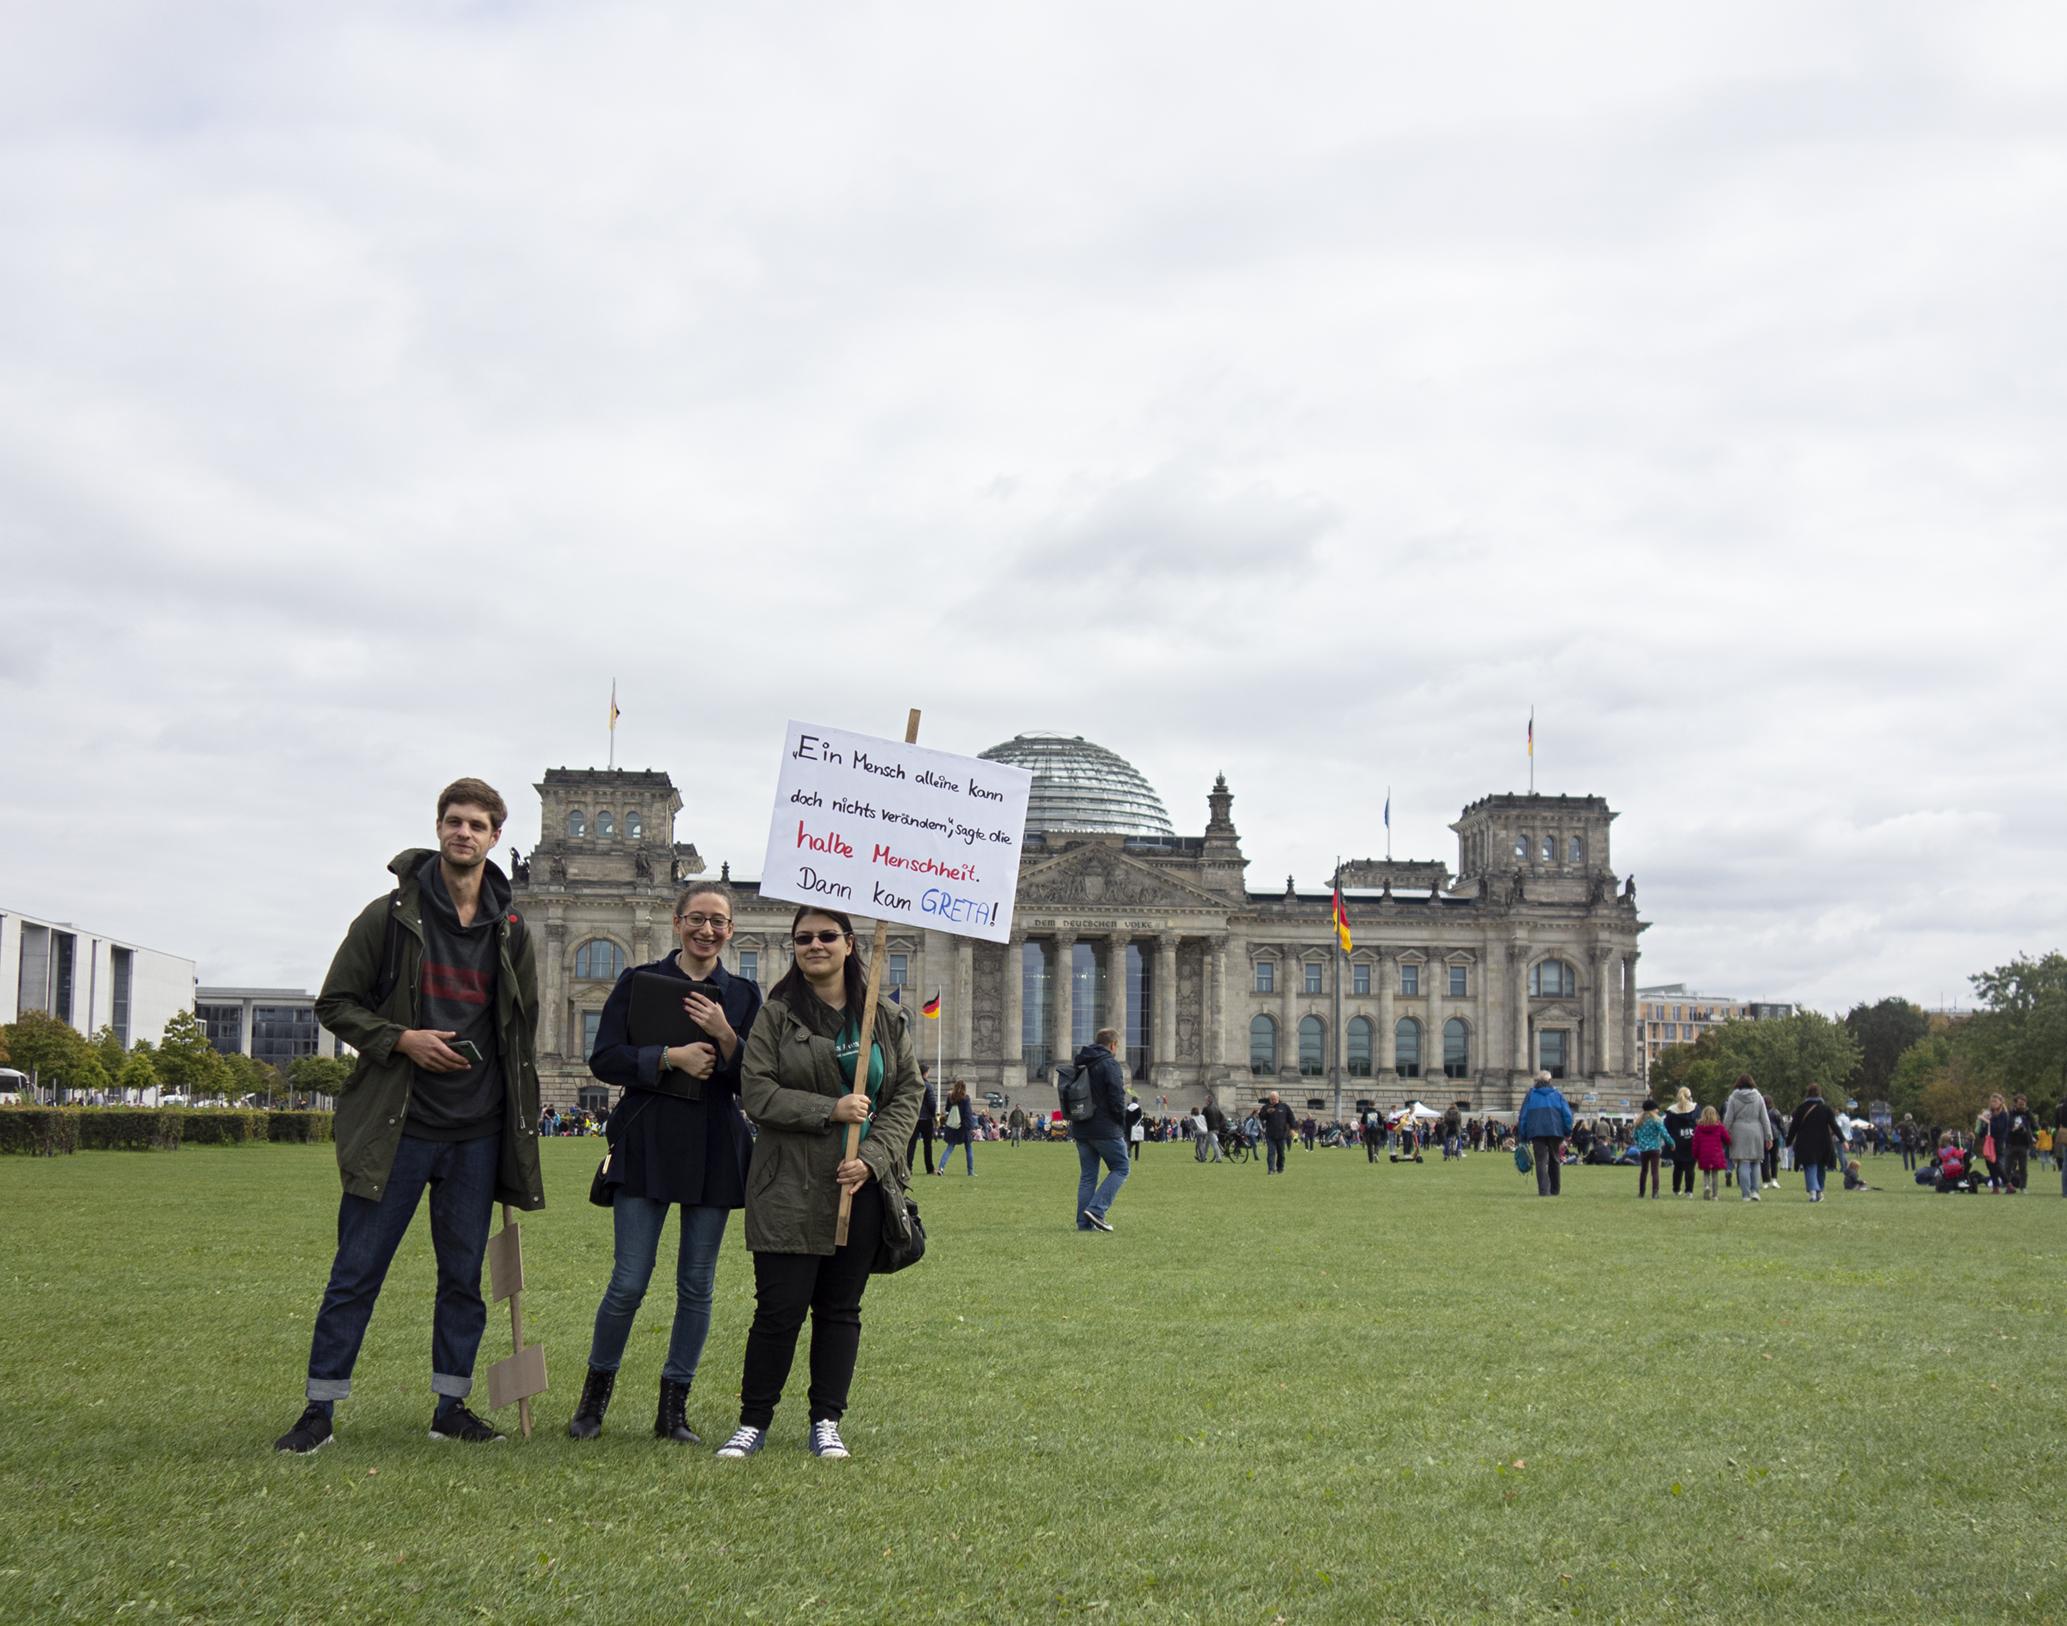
x=436 y=988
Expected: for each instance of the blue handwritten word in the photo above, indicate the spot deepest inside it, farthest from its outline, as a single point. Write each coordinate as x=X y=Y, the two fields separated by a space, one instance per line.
x=949 y=907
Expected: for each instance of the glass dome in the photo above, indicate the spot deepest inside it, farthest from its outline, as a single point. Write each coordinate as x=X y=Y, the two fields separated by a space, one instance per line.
x=1081 y=786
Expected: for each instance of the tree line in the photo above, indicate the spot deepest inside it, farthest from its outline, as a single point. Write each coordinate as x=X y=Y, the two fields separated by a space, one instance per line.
x=1940 y=1068
x=180 y=1061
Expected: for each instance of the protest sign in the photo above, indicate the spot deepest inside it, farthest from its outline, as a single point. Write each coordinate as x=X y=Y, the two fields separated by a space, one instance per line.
x=887 y=829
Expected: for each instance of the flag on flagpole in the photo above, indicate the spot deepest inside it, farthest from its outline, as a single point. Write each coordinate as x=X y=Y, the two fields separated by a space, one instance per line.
x=932 y=1006
x=613 y=708
x=1532 y=731
x=1342 y=921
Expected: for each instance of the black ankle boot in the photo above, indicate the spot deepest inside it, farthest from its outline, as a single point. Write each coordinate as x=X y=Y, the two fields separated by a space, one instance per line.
x=587 y=1421
x=669 y=1423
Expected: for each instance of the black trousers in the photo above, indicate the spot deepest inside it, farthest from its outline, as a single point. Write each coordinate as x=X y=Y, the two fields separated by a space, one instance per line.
x=830 y=1287
x=1548 y=1169
x=2016 y=1165
x=1682 y=1171
x=927 y=1131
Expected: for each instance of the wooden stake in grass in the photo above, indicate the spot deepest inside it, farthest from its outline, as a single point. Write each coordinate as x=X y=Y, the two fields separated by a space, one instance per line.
x=523 y=1374
x=878 y=945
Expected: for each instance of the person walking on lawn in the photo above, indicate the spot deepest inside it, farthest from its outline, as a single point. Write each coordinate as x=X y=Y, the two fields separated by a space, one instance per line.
x=1680 y=1119
x=1277 y=1132
x=1813 y=1135
x=1652 y=1141
x=435 y=987
x=1744 y=1118
x=958 y=1128
x=1102 y=1137
x=1545 y=1120
x=1711 y=1151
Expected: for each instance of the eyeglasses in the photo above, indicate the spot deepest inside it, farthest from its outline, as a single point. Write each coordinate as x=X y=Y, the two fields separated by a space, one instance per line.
x=696 y=923
x=806 y=939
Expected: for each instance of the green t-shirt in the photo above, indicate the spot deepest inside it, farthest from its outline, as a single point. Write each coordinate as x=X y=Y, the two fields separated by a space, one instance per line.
x=844 y=1047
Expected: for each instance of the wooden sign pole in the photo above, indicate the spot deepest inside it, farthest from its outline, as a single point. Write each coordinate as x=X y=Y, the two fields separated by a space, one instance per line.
x=517 y=1322
x=523 y=1374
x=878 y=947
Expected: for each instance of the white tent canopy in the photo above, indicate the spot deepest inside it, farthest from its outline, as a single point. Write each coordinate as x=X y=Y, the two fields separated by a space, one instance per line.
x=1418 y=1109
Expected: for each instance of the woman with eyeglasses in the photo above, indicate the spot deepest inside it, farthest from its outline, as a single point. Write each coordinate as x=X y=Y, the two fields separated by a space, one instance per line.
x=801 y=1087
x=676 y=1139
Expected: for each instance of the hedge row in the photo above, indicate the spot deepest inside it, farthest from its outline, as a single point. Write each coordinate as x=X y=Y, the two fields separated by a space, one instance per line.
x=57 y=1131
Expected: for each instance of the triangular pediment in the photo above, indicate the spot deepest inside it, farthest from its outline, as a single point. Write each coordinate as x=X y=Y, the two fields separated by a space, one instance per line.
x=1094 y=877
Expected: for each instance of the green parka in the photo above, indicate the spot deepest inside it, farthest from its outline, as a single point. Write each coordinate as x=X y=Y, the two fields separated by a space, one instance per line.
x=375 y=1102
x=788 y=1084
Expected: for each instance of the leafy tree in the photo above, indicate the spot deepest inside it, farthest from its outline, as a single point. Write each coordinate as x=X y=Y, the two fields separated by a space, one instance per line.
x=1884 y=1032
x=1696 y=1067
x=47 y=1048
x=319 y=1075
x=1784 y=1054
x=185 y=1060
x=2021 y=1034
x=137 y=1072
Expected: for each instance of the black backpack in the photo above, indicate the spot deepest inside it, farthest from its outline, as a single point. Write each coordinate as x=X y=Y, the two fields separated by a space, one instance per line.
x=1073 y=1087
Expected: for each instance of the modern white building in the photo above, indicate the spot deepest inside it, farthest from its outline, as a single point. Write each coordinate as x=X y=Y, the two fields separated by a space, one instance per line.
x=278 y=1026
x=89 y=979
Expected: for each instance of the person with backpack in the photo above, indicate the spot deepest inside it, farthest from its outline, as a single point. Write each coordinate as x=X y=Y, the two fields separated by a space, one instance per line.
x=436 y=987
x=1096 y=1085
x=1545 y=1120
x=958 y=1128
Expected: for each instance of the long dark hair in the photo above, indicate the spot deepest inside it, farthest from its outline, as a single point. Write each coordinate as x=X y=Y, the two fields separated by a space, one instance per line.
x=793 y=986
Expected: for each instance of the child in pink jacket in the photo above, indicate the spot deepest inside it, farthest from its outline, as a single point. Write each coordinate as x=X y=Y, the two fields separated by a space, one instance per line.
x=1711 y=1151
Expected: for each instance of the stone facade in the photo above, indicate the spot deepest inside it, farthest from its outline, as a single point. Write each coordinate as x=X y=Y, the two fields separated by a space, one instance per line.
x=1529 y=954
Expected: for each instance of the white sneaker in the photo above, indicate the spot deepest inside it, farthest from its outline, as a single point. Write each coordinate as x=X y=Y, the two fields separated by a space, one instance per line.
x=744 y=1442
x=825 y=1439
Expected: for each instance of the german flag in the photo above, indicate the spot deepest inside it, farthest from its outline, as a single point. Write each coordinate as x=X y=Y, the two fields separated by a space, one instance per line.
x=932 y=1006
x=1342 y=922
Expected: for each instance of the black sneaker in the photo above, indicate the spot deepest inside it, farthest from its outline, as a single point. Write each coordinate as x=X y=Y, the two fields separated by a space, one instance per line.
x=312 y=1433
x=1098 y=1221
x=460 y=1424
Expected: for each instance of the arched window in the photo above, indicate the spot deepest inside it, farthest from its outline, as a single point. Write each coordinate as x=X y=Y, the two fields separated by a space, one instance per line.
x=1263 y=1045
x=1456 y=1049
x=598 y=960
x=1553 y=979
x=1575 y=851
x=1313 y=1047
x=1406 y=1048
x=576 y=824
x=1360 y=1047
x=1549 y=849
x=634 y=826
x=603 y=824
x=1521 y=846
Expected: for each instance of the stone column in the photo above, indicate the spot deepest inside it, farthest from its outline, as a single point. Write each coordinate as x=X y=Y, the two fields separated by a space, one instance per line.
x=1632 y=1053
x=1014 y=1036
x=1291 y=972
x=1388 y=1057
x=1116 y=987
x=1601 y=1050
x=553 y=997
x=963 y=993
x=1064 y=982
x=1165 y=1001
x=1214 y=1048
x=1519 y=954
x=1482 y=1037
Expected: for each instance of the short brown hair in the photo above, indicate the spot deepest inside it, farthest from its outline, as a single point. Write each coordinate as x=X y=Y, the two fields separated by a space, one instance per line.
x=475 y=793
x=1108 y=1037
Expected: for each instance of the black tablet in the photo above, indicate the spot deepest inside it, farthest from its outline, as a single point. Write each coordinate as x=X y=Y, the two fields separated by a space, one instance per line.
x=657 y=1013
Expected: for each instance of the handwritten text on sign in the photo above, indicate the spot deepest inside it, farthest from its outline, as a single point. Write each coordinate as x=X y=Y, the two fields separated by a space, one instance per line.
x=896 y=832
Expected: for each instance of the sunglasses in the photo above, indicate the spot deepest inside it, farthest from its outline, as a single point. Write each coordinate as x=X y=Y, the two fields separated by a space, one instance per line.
x=806 y=939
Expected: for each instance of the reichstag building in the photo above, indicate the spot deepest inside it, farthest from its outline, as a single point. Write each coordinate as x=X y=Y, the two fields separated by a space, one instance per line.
x=1461 y=985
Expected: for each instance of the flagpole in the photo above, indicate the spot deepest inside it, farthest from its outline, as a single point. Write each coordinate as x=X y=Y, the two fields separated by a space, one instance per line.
x=1388 y=824
x=1532 y=750
x=1335 y=1044
x=613 y=724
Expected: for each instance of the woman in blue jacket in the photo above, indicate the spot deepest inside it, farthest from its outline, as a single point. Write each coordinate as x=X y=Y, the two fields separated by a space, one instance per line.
x=1544 y=1121
x=676 y=1137
x=958 y=1128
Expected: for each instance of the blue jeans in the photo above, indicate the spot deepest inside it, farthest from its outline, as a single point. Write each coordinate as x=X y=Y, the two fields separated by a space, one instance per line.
x=1276 y=1155
x=1812 y=1177
x=1093 y=1195
x=947 y=1155
x=1747 y=1178
x=638 y=1222
x=461 y=1175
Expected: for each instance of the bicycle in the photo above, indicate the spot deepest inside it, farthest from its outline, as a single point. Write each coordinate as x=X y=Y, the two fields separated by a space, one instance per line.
x=1237 y=1147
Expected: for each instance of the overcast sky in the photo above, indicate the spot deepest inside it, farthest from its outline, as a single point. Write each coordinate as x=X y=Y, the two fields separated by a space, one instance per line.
x=1297 y=391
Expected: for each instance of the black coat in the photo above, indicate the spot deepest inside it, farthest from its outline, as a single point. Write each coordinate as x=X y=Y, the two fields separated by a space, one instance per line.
x=1108 y=1079
x=1813 y=1134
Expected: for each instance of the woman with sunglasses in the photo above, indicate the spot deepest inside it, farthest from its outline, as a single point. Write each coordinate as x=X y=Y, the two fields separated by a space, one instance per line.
x=675 y=1138
x=800 y=1087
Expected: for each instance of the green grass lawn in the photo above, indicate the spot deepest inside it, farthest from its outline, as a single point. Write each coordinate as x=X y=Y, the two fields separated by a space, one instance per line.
x=1348 y=1394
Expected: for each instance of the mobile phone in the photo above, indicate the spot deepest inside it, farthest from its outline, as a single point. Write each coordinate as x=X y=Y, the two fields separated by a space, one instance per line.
x=470 y=1050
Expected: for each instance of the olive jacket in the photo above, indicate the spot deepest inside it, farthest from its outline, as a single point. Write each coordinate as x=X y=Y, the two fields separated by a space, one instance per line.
x=788 y=1084
x=354 y=1006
